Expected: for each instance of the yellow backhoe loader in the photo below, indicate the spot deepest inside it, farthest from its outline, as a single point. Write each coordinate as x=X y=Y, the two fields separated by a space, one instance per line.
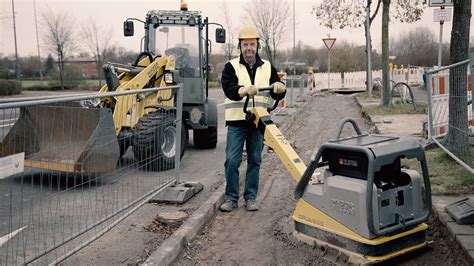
x=355 y=201
x=75 y=138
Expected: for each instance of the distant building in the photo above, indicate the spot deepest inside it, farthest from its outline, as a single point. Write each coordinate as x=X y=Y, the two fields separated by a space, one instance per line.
x=87 y=66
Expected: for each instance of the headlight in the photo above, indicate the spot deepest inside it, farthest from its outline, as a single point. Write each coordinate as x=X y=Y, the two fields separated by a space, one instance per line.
x=169 y=78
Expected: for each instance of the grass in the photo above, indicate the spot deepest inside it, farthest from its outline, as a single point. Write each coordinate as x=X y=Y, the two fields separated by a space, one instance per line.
x=446 y=176
x=395 y=109
x=53 y=83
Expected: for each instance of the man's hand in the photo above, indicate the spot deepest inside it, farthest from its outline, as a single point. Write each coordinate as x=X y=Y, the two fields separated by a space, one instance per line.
x=250 y=91
x=278 y=87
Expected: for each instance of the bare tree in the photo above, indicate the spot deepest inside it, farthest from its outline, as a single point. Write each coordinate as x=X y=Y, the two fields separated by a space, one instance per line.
x=97 y=42
x=457 y=136
x=231 y=42
x=272 y=19
x=417 y=47
x=350 y=13
x=59 y=37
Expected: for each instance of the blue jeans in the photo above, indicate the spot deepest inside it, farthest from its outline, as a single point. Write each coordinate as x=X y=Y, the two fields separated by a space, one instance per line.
x=236 y=137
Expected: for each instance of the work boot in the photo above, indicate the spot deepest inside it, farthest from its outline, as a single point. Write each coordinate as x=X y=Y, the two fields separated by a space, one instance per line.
x=228 y=206
x=251 y=205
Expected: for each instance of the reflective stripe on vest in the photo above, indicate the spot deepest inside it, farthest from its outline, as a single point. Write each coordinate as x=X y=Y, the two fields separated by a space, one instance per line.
x=234 y=109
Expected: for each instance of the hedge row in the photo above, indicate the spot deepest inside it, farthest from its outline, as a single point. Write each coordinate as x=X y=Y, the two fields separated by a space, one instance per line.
x=9 y=87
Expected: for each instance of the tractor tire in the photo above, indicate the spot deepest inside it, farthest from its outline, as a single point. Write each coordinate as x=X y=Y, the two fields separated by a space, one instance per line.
x=123 y=145
x=154 y=141
x=207 y=138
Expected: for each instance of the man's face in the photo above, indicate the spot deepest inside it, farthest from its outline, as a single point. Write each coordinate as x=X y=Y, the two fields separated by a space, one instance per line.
x=248 y=48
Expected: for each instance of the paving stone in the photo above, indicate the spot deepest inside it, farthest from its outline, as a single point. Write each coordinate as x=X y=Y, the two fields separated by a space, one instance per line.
x=457 y=229
x=471 y=254
x=444 y=218
x=467 y=241
x=172 y=217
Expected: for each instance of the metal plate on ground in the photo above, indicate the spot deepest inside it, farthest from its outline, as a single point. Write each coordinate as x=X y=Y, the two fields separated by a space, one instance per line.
x=348 y=90
x=178 y=194
x=462 y=211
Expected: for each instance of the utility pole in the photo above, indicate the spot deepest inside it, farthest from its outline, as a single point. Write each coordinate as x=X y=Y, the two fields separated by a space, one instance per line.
x=16 y=49
x=294 y=40
x=37 y=44
x=368 y=48
x=294 y=52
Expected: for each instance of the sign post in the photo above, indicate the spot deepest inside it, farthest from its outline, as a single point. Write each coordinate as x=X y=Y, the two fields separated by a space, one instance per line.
x=329 y=42
x=441 y=15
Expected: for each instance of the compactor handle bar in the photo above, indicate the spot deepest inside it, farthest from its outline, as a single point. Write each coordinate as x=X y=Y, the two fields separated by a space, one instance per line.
x=249 y=113
x=354 y=124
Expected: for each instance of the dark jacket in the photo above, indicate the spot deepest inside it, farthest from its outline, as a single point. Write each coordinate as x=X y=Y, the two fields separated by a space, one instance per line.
x=230 y=84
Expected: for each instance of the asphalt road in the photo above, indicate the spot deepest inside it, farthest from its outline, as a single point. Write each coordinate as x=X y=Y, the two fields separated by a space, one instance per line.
x=48 y=207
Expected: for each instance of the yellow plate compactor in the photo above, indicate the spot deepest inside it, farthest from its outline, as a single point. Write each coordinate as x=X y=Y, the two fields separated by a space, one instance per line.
x=354 y=198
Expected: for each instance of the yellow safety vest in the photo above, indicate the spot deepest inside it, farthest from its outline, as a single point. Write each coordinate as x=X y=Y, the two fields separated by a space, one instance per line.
x=234 y=109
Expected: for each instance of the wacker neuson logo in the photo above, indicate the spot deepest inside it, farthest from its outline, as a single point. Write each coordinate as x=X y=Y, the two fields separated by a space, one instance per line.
x=343 y=206
x=348 y=162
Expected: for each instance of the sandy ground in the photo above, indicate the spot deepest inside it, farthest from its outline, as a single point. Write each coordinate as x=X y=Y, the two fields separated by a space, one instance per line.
x=265 y=237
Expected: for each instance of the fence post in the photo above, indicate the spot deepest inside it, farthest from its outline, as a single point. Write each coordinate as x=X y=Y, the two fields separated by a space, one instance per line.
x=430 y=106
x=179 y=124
x=291 y=91
x=301 y=86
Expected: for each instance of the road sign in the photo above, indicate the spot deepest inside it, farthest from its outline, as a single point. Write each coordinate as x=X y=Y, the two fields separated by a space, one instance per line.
x=435 y=3
x=442 y=14
x=329 y=42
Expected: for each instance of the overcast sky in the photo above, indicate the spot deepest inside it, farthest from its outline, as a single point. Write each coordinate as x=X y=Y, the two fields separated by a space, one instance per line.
x=112 y=13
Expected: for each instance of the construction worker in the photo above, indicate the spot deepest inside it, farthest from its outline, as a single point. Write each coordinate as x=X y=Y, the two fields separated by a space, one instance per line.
x=310 y=80
x=241 y=78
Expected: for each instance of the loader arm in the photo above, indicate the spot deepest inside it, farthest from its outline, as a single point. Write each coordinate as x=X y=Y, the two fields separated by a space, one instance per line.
x=129 y=109
x=277 y=141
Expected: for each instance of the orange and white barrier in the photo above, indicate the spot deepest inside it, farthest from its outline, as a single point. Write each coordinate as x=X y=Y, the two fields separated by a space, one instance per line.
x=440 y=102
x=411 y=76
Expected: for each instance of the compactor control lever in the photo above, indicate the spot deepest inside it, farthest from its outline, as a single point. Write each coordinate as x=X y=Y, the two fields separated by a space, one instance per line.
x=249 y=116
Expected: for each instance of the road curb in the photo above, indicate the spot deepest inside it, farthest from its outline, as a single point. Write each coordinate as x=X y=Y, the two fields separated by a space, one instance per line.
x=172 y=247
x=169 y=250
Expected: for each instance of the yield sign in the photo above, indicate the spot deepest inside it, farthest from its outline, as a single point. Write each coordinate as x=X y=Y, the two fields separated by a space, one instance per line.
x=329 y=42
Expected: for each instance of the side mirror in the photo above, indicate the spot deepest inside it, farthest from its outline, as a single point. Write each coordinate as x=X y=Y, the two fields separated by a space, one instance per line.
x=220 y=35
x=128 y=28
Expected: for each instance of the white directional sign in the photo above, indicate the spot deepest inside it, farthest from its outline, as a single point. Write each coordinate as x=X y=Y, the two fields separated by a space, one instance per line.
x=442 y=14
x=329 y=42
x=434 y=3
x=13 y=164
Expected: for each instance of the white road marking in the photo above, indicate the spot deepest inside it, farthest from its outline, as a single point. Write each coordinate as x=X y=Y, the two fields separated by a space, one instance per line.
x=7 y=125
x=7 y=237
x=9 y=120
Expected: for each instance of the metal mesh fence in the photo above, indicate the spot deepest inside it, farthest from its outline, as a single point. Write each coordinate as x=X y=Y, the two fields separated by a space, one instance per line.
x=69 y=174
x=451 y=120
x=295 y=89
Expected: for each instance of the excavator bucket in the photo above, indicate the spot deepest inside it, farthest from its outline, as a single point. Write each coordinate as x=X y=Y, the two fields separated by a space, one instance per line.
x=64 y=138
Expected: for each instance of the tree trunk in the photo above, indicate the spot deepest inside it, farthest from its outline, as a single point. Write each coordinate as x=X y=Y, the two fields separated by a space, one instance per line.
x=385 y=53
x=99 y=64
x=458 y=135
x=61 y=68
